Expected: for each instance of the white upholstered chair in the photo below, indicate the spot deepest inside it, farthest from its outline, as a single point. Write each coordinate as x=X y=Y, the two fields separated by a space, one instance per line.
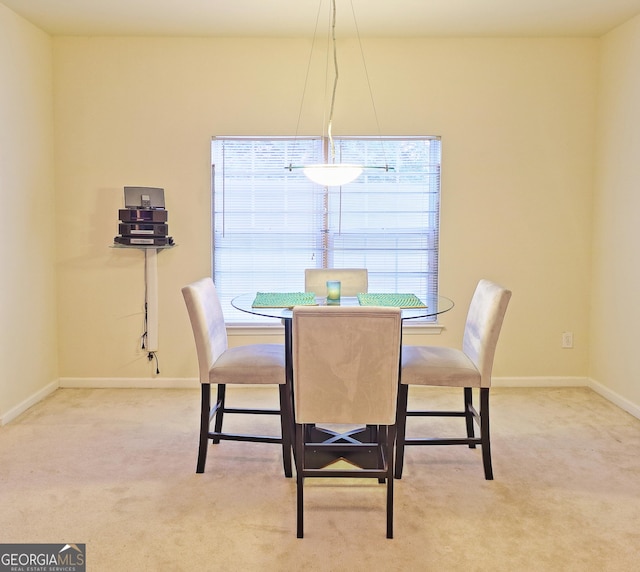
x=468 y=368
x=220 y=365
x=353 y=281
x=345 y=371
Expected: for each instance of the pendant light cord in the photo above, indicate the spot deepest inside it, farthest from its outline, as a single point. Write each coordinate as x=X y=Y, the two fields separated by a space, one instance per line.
x=366 y=73
x=335 y=81
x=331 y=152
x=306 y=77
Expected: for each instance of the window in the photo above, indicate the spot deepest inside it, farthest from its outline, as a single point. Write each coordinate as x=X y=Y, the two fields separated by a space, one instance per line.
x=270 y=223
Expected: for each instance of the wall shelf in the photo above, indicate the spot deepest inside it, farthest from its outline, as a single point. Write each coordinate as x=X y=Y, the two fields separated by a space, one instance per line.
x=143 y=246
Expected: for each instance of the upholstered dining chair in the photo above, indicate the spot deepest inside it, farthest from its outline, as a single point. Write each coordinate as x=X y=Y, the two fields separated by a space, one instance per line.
x=468 y=368
x=345 y=371
x=353 y=281
x=221 y=365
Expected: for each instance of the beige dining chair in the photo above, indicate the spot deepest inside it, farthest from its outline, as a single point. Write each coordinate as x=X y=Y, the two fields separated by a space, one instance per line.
x=221 y=365
x=468 y=368
x=353 y=281
x=345 y=371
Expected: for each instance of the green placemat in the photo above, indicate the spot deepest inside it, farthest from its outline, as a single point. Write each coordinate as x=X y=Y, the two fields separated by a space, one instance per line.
x=394 y=300
x=284 y=299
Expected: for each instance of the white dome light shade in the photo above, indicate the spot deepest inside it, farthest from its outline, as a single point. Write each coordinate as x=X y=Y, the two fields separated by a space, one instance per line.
x=332 y=174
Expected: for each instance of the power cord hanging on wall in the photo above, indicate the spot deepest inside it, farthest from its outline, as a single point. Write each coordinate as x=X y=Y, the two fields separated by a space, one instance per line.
x=143 y=338
x=154 y=355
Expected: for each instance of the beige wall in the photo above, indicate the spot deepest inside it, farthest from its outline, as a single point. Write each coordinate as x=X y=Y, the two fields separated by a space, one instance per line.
x=517 y=120
x=538 y=188
x=28 y=348
x=615 y=306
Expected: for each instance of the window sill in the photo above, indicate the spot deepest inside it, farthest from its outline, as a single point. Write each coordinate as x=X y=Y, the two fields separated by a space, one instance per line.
x=278 y=329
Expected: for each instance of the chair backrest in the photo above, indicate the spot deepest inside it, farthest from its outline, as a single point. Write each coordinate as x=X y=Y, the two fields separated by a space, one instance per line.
x=346 y=364
x=207 y=322
x=482 y=329
x=353 y=281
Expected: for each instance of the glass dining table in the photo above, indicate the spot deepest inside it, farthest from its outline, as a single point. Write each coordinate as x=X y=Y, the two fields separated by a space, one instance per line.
x=432 y=306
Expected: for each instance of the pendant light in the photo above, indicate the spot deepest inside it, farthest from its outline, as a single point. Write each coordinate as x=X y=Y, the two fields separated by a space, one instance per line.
x=331 y=174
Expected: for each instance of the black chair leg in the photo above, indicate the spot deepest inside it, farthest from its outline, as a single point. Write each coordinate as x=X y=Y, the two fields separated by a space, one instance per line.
x=484 y=433
x=205 y=408
x=468 y=413
x=299 y=432
x=380 y=436
x=391 y=435
x=401 y=424
x=286 y=428
x=220 y=399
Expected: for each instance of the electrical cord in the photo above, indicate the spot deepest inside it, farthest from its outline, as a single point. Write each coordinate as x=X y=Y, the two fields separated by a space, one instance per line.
x=150 y=357
x=143 y=337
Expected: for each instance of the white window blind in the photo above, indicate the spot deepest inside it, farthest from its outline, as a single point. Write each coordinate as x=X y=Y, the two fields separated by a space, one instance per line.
x=270 y=223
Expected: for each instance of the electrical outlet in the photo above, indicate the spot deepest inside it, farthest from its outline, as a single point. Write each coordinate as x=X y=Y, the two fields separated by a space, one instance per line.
x=567 y=339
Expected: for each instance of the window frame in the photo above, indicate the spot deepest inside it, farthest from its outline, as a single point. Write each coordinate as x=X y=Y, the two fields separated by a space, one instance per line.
x=319 y=149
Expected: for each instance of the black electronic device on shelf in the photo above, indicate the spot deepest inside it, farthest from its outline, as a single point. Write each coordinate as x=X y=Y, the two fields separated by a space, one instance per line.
x=143 y=221
x=144 y=240
x=143 y=215
x=143 y=229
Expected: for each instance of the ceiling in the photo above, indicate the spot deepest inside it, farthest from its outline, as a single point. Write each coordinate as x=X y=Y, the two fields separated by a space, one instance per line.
x=267 y=18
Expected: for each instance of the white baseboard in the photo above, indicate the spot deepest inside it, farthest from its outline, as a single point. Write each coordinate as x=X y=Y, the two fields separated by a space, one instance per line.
x=129 y=382
x=27 y=403
x=539 y=382
x=193 y=383
x=615 y=398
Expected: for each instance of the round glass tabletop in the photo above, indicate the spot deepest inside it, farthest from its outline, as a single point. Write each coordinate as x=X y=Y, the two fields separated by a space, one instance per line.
x=434 y=306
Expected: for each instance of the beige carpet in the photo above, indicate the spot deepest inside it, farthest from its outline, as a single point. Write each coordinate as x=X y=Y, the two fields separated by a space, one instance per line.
x=115 y=469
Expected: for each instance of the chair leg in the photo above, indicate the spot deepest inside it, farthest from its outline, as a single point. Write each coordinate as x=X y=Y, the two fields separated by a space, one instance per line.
x=468 y=413
x=220 y=403
x=401 y=424
x=484 y=433
x=205 y=408
x=391 y=437
x=380 y=436
x=299 y=432
x=286 y=428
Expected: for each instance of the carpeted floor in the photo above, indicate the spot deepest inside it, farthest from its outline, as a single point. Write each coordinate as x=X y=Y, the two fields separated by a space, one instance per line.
x=115 y=469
